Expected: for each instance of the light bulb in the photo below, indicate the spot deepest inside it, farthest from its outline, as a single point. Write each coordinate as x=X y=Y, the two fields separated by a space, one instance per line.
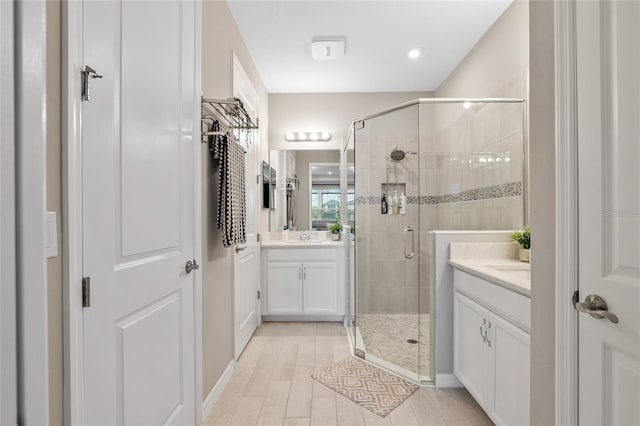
x=414 y=53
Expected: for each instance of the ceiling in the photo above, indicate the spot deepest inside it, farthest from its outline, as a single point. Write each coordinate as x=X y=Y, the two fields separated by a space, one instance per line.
x=329 y=173
x=378 y=35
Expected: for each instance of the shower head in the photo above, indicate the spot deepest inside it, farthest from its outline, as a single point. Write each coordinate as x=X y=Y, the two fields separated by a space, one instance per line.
x=398 y=154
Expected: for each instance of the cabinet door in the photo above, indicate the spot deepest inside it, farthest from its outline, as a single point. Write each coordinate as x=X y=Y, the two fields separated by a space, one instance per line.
x=320 y=288
x=470 y=351
x=284 y=288
x=510 y=349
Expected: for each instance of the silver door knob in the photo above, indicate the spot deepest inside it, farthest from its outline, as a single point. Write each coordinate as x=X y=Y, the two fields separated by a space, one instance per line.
x=191 y=266
x=595 y=306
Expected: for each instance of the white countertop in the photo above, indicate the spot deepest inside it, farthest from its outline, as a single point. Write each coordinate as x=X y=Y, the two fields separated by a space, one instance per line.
x=508 y=273
x=301 y=244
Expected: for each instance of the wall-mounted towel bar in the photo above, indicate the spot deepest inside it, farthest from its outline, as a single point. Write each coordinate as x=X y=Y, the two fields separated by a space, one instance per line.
x=230 y=114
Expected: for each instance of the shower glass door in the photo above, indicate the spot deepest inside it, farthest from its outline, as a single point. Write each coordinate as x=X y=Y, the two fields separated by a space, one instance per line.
x=387 y=246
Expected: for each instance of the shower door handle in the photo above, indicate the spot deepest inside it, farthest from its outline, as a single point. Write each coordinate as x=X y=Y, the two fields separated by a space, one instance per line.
x=413 y=242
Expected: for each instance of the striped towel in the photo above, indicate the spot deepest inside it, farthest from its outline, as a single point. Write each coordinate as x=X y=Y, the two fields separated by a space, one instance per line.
x=232 y=206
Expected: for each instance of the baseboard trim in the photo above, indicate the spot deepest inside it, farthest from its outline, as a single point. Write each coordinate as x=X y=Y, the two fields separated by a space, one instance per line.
x=217 y=389
x=306 y=317
x=448 y=381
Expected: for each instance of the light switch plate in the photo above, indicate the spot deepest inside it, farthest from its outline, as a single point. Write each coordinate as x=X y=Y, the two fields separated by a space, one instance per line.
x=51 y=237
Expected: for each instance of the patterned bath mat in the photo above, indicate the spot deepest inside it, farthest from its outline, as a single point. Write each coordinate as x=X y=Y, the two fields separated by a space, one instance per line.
x=372 y=388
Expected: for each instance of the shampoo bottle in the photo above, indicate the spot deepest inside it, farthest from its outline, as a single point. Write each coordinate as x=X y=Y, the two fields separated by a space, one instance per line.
x=395 y=203
x=384 y=208
x=403 y=203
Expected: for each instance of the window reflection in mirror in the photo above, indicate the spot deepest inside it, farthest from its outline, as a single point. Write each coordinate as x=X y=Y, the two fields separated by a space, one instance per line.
x=295 y=186
x=325 y=195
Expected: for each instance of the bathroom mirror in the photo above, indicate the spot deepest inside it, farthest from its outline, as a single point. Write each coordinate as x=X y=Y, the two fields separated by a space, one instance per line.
x=293 y=186
x=268 y=186
x=324 y=199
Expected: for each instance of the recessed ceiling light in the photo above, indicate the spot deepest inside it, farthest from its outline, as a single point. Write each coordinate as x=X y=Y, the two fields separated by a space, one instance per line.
x=414 y=53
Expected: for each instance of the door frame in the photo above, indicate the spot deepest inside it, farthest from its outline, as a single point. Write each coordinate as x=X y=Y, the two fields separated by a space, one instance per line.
x=8 y=341
x=566 y=241
x=30 y=123
x=72 y=213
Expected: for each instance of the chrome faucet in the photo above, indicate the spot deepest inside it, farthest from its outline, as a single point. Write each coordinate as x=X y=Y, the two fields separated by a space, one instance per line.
x=304 y=236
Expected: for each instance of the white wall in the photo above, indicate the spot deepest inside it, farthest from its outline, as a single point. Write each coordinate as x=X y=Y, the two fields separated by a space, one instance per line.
x=499 y=56
x=542 y=133
x=332 y=112
x=54 y=204
x=220 y=40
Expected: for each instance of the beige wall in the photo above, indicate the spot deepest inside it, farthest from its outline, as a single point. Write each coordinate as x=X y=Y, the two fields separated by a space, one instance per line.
x=220 y=40
x=332 y=112
x=501 y=55
x=542 y=154
x=303 y=158
x=54 y=204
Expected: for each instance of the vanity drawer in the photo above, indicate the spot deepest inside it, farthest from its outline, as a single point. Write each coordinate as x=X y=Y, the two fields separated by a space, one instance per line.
x=301 y=255
x=508 y=304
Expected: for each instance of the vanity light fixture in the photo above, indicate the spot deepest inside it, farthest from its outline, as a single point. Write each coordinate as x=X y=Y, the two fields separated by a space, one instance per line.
x=307 y=136
x=414 y=53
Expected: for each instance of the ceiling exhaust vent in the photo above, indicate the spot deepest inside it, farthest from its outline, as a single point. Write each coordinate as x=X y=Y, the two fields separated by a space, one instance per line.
x=327 y=50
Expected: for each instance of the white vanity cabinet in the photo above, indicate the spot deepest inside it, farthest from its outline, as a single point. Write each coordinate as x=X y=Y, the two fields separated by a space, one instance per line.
x=283 y=292
x=492 y=347
x=303 y=283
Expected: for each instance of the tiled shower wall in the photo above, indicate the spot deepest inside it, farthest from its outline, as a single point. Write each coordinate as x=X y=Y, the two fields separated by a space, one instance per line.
x=468 y=176
x=386 y=282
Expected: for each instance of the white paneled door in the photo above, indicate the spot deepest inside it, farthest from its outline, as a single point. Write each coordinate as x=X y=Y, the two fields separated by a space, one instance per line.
x=247 y=256
x=608 y=67
x=139 y=148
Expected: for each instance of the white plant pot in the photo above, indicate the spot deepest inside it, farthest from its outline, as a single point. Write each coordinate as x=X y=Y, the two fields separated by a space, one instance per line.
x=525 y=255
x=335 y=237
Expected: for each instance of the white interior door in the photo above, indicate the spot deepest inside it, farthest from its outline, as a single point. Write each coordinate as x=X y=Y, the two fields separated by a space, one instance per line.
x=608 y=64
x=139 y=156
x=247 y=256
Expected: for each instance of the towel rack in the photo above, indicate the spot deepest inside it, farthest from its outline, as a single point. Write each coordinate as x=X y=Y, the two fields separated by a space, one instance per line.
x=230 y=113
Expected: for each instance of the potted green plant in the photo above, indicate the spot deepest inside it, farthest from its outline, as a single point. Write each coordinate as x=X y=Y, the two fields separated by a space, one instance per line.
x=524 y=239
x=335 y=229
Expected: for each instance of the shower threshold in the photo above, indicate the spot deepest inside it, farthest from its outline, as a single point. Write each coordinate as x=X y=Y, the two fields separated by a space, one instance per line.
x=390 y=367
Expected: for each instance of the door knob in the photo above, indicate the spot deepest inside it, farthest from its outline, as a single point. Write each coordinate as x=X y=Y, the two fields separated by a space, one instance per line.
x=595 y=306
x=191 y=266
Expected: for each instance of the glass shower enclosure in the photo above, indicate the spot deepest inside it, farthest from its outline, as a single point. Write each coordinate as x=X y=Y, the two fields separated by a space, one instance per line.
x=426 y=165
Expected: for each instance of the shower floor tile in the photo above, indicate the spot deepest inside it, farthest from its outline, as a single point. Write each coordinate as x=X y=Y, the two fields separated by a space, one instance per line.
x=386 y=336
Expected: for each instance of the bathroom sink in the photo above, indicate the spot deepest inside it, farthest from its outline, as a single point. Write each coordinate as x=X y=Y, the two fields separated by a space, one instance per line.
x=517 y=271
x=526 y=267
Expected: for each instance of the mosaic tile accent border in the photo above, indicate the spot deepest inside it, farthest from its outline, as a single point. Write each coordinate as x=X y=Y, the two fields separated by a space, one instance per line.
x=504 y=190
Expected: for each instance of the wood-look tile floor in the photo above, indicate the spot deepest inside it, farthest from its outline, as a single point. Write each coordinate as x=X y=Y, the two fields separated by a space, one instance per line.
x=272 y=385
